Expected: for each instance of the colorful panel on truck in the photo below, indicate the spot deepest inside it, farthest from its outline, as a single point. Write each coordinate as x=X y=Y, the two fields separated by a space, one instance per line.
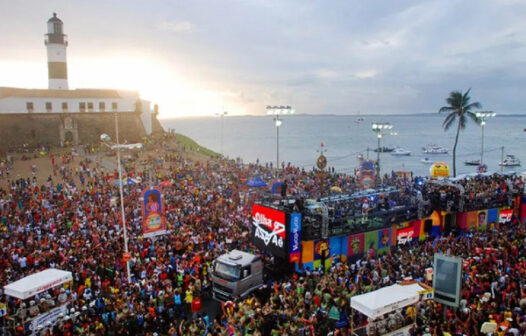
x=355 y=246
x=493 y=216
x=505 y=215
x=481 y=219
x=307 y=251
x=462 y=221
x=335 y=245
x=436 y=218
x=320 y=247
x=471 y=219
x=384 y=240
x=371 y=243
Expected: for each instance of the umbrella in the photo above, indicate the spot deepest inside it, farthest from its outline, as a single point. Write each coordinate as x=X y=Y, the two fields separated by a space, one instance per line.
x=165 y=184
x=256 y=182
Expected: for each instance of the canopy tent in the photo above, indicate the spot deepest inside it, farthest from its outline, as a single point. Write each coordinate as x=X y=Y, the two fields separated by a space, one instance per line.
x=384 y=300
x=37 y=283
x=256 y=182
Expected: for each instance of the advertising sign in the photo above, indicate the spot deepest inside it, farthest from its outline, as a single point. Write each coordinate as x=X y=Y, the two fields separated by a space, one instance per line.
x=50 y=316
x=404 y=236
x=153 y=223
x=446 y=279
x=505 y=215
x=269 y=230
x=295 y=238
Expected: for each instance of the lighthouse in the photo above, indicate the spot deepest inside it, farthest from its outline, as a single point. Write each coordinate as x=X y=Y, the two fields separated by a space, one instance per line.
x=56 y=43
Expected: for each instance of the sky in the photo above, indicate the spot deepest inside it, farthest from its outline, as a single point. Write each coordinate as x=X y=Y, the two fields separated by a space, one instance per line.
x=197 y=58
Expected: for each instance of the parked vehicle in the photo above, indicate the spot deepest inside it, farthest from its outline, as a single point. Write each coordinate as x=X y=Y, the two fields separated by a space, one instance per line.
x=235 y=275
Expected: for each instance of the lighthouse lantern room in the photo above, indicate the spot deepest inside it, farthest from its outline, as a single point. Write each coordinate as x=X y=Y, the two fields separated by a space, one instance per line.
x=56 y=43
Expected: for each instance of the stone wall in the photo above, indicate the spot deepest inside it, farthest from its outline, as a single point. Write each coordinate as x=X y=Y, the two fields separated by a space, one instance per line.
x=44 y=129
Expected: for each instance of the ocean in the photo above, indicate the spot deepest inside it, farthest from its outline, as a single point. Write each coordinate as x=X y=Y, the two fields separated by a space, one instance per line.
x=253 y=138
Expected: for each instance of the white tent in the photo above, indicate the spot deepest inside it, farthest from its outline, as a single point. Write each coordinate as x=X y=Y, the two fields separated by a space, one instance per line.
x=37 y=283
x=384 y=300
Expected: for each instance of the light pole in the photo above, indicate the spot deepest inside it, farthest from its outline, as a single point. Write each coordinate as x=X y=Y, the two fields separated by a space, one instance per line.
x=378 y=128
x=483 y=116
x=106 y=141
x=276 y=111
x=222 y=114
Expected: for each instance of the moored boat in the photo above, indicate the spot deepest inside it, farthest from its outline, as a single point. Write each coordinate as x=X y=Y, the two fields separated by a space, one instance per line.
x=434 y=149
x=510 y=161
x=399 y=151
x=472 y=162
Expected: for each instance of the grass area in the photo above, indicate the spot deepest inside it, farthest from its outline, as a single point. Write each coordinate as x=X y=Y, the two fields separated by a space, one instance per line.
x=191 y=145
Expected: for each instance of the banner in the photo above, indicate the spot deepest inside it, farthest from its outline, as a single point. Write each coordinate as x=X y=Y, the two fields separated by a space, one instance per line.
x=505 y=215
x=295 y=237
x=269 y=230
x=51 y=316
x=367 y=174
x=153 y=223
x=404 y=236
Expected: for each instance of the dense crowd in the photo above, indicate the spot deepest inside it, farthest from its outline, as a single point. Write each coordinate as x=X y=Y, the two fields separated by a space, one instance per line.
x=72 y=222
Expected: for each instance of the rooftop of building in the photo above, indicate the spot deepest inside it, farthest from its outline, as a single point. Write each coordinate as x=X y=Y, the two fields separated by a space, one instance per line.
x=7 y=92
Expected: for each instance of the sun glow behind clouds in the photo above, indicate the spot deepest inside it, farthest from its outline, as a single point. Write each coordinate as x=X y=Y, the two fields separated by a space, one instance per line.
x=156 y=80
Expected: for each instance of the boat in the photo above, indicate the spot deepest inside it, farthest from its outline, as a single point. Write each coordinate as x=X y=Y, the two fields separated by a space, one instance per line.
x=426 y=160
x=399 y=151
x=472 y=163
x=384 y=149
x=359 y=118
x=510 y=161
x=360 y=157
x=434 y=149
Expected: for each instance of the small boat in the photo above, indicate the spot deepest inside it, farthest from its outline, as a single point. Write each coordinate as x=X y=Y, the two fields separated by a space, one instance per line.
x=510 y=161
x=400 y=152
x=434 y=149
x=360 y=157
x=426 y=160
x=384 y=149
x=472 y=163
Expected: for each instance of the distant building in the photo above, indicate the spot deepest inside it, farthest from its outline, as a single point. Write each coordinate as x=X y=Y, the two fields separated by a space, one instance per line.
x=70 y=111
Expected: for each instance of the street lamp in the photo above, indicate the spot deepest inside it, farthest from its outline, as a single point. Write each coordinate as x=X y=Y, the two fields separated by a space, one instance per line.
x=378 y=128
x=483 y=116
x=276 y=111
x=222 y=114
x=105 y=138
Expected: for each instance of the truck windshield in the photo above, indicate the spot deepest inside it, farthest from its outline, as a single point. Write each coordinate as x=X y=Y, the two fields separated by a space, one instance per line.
x=227 y=272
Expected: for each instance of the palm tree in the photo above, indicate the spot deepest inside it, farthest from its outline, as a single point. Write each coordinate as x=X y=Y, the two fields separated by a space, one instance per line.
x=458 y=107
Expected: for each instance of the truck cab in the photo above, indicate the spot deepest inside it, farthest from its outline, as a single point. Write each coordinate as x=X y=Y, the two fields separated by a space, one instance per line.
x=235 y=275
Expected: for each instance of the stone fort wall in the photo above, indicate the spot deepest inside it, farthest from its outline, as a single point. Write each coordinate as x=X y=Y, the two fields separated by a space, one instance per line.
x=46 y=129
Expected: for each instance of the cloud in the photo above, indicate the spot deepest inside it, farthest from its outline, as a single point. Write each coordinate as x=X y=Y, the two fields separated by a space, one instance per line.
x=176 y=26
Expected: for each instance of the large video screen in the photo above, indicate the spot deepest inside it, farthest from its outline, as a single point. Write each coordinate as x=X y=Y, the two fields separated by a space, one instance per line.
x=268 y=230
x=446 y=281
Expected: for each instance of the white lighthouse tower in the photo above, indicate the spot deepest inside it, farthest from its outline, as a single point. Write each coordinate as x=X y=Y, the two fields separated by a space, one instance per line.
x=56 y=43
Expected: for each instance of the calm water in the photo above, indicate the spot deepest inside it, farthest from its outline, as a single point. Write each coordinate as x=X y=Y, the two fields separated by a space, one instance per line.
x=252 y=138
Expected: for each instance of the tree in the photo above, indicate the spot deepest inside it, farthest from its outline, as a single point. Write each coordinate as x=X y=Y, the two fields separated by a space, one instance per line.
x=458 y=108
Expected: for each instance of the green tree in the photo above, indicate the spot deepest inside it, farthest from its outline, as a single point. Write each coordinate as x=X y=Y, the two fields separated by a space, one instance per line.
x=459 y=108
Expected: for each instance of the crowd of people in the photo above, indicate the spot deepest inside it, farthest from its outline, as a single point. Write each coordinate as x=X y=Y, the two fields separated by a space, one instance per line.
x=71 y=220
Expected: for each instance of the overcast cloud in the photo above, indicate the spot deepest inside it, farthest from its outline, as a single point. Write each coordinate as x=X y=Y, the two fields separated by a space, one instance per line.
x=335 y=57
